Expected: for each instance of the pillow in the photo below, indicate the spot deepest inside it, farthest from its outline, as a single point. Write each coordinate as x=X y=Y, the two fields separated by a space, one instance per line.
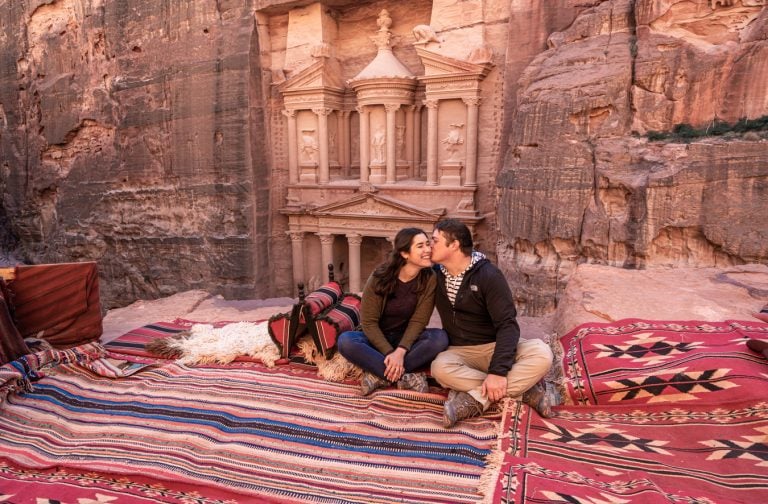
x=325 y=328
x=12 y=345
x=286 y=328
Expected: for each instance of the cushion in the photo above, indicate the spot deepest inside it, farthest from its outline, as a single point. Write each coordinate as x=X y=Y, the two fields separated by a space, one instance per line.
x=58 y=302
x=286 y=328
x=12 y=345
x=321 y=299
x=343 y=316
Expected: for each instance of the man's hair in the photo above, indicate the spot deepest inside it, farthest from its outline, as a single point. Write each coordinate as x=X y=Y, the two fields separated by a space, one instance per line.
x=454 y=229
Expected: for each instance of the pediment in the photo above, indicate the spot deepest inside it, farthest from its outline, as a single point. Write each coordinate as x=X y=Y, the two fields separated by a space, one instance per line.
x=370 y=205
x=324 y=73
x=438 y=65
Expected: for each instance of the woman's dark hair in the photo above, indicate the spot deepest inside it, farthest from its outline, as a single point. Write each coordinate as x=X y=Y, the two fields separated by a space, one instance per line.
x=385 y=275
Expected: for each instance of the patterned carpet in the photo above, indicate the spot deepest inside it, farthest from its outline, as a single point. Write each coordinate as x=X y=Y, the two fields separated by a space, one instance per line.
x=235 y=433
x=665 y=412
x=658 y=412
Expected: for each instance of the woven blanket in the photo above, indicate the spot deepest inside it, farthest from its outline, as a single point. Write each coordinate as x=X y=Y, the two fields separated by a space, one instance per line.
x=636 y=362
x=661 y=412
x=238 y=433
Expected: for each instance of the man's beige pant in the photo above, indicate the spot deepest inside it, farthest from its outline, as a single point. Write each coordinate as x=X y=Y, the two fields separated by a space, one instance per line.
x=464 y=368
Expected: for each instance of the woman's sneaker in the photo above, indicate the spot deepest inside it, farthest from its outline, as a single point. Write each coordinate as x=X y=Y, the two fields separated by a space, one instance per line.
x=370 y=382
x=414 y=381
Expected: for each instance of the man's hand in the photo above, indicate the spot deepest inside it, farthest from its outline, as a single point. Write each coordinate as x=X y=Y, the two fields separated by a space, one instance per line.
x=394 y=366
x=494 y=387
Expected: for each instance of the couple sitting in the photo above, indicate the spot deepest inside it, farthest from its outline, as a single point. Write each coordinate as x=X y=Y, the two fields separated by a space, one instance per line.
x=478 y=354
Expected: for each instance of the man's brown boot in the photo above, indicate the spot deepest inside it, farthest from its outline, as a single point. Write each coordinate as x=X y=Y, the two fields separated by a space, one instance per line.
x=460 y=406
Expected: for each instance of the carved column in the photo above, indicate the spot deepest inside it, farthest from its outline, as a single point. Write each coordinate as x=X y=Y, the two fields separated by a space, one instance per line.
x=326 y=252
x=391 y=143
x=473 y=105
x=409 y=139
x=345 y=142
x=431 y=141
x=297 y=254
x=354 y=241
x=365 y=142
x=322 y=116
x=416 y=128
x=293 y=148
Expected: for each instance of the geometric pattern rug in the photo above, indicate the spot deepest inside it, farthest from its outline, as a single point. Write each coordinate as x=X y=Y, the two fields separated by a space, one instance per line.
x=658 y=412
x=641 y=362
x=659 y=453
x=240 y=432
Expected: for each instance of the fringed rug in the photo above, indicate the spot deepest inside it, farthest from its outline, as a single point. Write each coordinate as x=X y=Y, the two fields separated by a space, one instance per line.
x=236 y=433
x=672 y=412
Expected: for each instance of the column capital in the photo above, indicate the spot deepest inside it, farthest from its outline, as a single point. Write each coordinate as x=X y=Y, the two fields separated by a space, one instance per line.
x=288 y=112
x=430 y=104
x=295 y=236
x=362 y=109
x=322 y=111
x=392 y=107
x=354 y=239
x=325 y=237
x=475 y=101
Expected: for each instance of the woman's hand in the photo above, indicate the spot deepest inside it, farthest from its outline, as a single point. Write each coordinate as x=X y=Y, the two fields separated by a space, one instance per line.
x=394 y=366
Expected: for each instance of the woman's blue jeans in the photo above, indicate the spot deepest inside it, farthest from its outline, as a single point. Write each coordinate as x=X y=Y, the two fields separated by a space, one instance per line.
x=356 y=348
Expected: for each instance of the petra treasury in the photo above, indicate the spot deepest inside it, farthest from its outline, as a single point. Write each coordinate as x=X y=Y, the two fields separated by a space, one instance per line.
x=385 y=149
x=383 y=251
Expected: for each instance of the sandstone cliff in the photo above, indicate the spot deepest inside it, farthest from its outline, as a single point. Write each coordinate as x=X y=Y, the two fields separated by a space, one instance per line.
x=130 y=134
x=580 y=182
x=140 y=135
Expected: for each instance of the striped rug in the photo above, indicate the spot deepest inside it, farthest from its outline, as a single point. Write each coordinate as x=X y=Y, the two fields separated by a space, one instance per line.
x=241 y=433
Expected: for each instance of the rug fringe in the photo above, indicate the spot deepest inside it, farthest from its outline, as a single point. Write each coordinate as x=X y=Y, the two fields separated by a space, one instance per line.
x=335 y=369
x=494 y=460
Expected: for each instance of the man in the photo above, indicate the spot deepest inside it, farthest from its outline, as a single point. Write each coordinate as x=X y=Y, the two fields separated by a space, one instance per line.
x=486 y=360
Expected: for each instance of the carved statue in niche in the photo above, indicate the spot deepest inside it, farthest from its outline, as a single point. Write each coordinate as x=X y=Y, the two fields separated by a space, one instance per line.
x=377 y=145
x=453 y=140
x=309 y=146
x=401 y=142
x=332 y=144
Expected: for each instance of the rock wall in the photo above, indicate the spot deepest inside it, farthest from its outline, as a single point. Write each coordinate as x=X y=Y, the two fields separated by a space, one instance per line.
x=129 y=134
x=144 y=135
x=581 y=183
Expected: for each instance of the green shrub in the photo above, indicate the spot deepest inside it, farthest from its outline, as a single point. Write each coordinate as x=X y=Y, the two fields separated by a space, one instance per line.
x=685 y=132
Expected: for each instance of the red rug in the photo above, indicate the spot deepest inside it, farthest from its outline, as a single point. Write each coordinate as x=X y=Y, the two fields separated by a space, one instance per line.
x=636 y=362
x=230 y=433
x=670 y=412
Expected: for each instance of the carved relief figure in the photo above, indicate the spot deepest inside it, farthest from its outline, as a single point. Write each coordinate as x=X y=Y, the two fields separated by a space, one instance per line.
x=332 y=144
x=453 y=140
x=377 y=145
x=401 y=142
x=424 y=34
x=309 y=146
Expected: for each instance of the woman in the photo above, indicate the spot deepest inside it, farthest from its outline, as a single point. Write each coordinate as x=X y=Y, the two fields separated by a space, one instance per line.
x=397 y=304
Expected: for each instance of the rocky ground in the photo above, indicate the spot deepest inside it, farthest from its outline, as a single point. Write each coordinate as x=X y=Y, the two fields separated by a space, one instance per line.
x=594 y=294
